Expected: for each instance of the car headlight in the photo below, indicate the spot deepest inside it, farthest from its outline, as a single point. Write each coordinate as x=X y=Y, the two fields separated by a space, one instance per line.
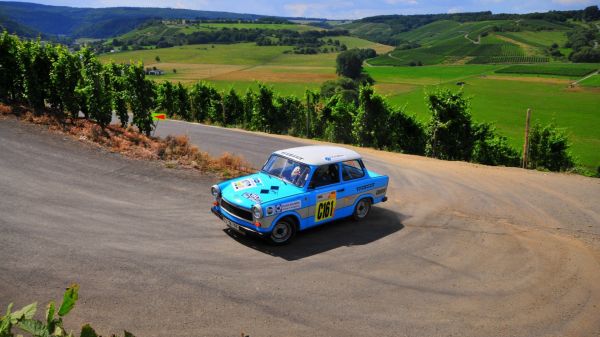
x=215 y=190
x=257 y=211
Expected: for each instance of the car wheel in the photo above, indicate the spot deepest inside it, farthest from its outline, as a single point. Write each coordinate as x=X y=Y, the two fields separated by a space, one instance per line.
x=362 y=209
x=283 y=232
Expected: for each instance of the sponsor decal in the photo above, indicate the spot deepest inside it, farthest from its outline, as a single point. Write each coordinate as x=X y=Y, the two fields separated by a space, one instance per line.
x=335 y=156
x=291 y=155
x=365 y=187
x=257 y=181
x=244 y=184
x=283 y=207
x=290 y=206
x=251 y=196
x=325 y=209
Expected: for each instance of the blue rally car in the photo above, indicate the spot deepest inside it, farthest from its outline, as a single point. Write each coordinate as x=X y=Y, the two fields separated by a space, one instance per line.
x=299 y=188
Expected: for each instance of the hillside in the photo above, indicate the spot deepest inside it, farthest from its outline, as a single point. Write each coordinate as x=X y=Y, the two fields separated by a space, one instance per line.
x=482 y=42
x=13 y=27
x=391 y=29
x=264 y=32
x=98 y=22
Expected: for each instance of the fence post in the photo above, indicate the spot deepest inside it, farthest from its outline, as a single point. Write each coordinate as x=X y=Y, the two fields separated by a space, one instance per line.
x=526 y=144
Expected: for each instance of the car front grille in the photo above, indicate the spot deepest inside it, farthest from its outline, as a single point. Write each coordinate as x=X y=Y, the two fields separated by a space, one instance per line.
x=237 y=211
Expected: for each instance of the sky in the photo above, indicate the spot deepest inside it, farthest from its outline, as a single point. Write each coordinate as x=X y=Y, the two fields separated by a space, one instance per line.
x=340 y=9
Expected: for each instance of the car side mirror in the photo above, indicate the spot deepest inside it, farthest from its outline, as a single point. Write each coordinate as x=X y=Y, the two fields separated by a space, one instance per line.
x=311 y=185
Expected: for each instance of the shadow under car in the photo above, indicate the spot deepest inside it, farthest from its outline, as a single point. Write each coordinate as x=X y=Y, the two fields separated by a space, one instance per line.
x=340 y=233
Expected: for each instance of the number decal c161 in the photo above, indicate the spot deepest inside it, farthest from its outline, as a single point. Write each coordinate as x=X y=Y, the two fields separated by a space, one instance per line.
x=325 y=209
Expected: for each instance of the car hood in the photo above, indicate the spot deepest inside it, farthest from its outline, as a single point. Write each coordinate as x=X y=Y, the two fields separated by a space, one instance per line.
x=259 y=188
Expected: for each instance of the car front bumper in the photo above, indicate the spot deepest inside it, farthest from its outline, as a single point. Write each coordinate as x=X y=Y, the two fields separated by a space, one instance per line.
x=236 y=224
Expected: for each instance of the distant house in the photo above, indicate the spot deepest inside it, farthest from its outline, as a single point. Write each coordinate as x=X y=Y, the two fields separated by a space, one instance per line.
x=155 y=72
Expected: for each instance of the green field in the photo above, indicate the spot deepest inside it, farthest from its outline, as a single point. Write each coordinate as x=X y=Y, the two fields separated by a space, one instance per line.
x=239 y=54
x=427 y=75
x=592 y=82
x=504 y=102
x=561 y=69
x=539 y=39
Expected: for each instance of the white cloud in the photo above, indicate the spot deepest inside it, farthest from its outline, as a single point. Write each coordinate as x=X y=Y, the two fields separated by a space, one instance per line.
x=298 y=9
x=455 y=10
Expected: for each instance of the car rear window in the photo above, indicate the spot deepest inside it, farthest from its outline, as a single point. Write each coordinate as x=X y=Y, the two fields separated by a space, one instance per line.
x=352 y=169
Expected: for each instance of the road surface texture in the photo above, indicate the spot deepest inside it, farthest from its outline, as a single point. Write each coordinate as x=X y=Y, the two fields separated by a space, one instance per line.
x=458 y=250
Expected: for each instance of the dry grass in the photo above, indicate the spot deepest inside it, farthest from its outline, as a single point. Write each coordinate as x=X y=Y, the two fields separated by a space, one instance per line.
x=174 y=151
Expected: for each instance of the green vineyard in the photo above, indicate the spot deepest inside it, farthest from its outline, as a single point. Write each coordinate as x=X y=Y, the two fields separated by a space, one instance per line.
x=570 y=70
x=508 y=59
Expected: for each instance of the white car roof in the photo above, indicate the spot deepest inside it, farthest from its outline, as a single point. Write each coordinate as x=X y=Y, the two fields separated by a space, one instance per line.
x=319 y=154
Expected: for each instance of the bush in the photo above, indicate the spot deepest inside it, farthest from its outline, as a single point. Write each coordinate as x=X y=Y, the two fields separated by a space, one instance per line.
x=406 y=134
x=52 y=325
x=548 y=149
x=449 y=133
x=490 y=148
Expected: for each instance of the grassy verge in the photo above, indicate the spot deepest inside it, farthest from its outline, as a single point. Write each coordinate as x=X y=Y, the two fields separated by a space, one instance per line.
x=173 y=151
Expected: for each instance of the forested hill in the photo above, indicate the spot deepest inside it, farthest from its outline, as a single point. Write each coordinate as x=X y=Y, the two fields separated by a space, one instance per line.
x=93 y=22
x=388 y=29
x=16 y=28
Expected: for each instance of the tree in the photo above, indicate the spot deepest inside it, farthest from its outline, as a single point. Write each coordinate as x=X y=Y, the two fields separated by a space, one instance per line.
x=591 y=13
x=548 y=148
x=36 y=63
x=349 y=64
x=141 y=97
x=449 y=133
x=233 y=108
x=119 y=92
x=370 y=121
x=346 y=87
x=11 y=84
x=165 y=98
x=312 y=107
x=64 y=78
x=339 y=114
x=204 y=99
x=585 y=54
x=264 y=114
x=182 y=103
x=248 y=102
x=490 y=148
x=94 y=86
x=405 y=133
x=289 y=108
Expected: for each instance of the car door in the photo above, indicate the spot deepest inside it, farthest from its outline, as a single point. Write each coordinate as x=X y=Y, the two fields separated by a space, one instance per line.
x=354 y=182
x=323 y=189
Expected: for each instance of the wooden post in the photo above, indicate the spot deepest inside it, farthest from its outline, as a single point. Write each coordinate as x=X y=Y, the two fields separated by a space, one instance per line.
x=526 y=144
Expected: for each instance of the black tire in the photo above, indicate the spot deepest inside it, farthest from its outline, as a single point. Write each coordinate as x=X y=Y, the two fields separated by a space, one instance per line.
x=283 y=232
x=362 y=209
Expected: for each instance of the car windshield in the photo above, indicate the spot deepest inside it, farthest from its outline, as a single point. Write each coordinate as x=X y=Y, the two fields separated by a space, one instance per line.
x=286 y=169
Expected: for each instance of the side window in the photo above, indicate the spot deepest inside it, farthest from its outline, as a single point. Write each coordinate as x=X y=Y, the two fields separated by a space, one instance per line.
x=325 y=175
x=352 y=169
